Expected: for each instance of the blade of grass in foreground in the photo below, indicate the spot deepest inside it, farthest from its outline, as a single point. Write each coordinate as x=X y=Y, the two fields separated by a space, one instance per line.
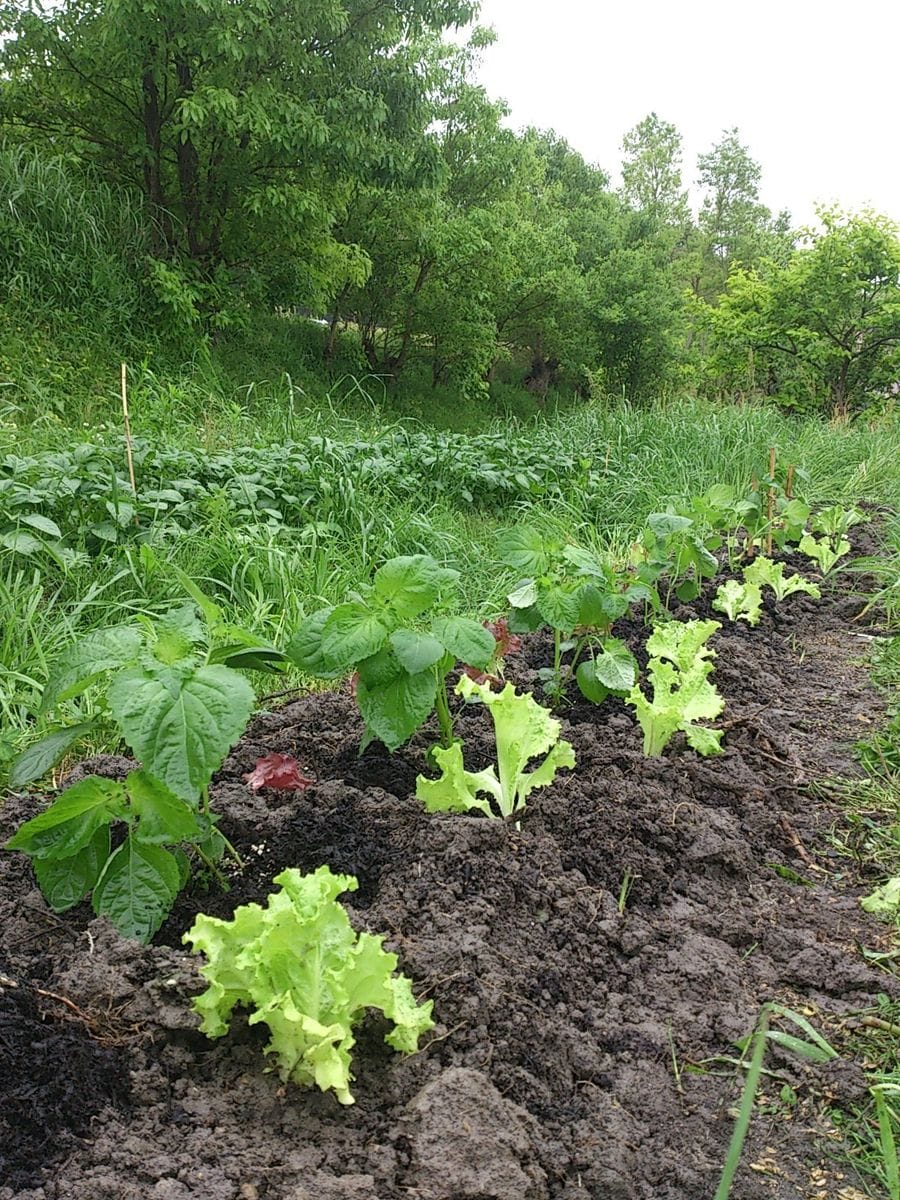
x=739 y=1135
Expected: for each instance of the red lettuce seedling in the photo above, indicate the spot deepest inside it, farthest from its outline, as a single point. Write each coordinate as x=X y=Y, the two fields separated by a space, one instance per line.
x=278 y=771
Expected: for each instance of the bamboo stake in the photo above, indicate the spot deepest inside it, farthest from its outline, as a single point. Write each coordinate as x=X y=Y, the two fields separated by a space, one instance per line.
x=770 y=506
x=128 y=453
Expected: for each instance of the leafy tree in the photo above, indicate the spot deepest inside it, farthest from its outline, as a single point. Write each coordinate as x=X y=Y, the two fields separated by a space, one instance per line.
x=244 y=125
x=822 y=330
x=651 y=171
x=732 y=226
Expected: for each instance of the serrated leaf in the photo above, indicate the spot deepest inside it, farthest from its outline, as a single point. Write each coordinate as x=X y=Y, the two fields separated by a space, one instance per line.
x=664 y=525
x=524 y=595
x=524 y=549
x=615 y=666
x=395 y=711
x=559 y=605
x=467 y=640
x=137 y=889
x=352 y=633
x=411 y=583
x=39 y=757
x=65 y=882
x=305 y=647
x=71 y=821
x=104 y=650
x=181 y=724
x=416 y=651
x=164 y=818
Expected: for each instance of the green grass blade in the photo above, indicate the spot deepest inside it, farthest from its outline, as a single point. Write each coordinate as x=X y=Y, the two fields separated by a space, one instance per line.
x=748 y=1099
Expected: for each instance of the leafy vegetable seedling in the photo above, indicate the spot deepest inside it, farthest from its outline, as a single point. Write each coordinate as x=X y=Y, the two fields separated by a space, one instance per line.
x=523 y=731
x=739 y=601
x=673 y=549
x=402 y=668
x=825 y=550
x=678 y=671
x=178 y=702
x=764 y=572
x=300 y=969
x=134 y=885
x=579 y=597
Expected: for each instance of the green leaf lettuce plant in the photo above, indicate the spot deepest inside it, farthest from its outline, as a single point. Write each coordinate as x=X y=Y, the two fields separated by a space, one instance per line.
x=299 y=968
x=739 y=601
x=682 y=694
x=524 y=731
x=765 y=573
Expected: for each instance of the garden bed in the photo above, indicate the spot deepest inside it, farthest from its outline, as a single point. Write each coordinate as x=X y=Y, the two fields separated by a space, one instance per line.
x=587 y=968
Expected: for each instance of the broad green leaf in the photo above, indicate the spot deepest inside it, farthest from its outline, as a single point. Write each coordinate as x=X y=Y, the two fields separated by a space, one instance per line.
x=411 y=583
x=705 y=741
x=305 y=647
x=525 y=620
x=104 y=650
x=456 y=789
x=37 y=760
x=164 y=818
x=41 y=524
x=66 y=881
x=416 y=651
x=380 y=669
x=592 y=608
x=181 y=724
x=559 y=605
x=137 y=889
x=351 y=633
x=524 y=549
x=588 y=683
x=467 y=640
x=395 y=711
x=265 y=658
x=616 y=667
x=664 y=525
x=71 y=821
x=524 y=595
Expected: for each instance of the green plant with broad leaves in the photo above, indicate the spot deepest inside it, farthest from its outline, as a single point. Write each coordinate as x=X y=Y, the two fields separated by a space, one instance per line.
x=578 y=596
x=825 y=551
x=174 y=689
x=676 y=554
x=298 y=967
x=682 y=694
x=401 y=660
x=524 y=731
x=739 y=601
x=763 y=572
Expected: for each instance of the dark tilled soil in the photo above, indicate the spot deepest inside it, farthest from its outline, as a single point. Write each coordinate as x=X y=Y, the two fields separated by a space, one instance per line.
x=575 y=1033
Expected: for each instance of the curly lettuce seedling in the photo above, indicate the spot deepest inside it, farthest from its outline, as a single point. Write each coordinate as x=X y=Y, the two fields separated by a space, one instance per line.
x=300 y=968
x=739 y=601
x=524 y=730
x=825 y=550
x=763 y=571
x=678 y=671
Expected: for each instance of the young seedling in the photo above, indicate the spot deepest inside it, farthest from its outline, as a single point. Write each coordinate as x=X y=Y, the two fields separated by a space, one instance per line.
x=300 y=969
x=678 y=673
x=401 y=668
x=523 y=731
x=764 y=572
x=579 y=597
x=825 y=550
x=674 y=555
x=739 y=601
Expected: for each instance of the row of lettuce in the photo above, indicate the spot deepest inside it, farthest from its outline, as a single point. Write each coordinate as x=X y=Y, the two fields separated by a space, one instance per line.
x=177 y=691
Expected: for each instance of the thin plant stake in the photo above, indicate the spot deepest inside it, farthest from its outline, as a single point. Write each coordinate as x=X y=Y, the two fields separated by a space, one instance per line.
x=127 y=428
x=789 y=483
x=742 y=1124
x=770 y=505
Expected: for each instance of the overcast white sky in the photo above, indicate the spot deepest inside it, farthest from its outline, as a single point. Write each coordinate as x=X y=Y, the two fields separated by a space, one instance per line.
x=814 y=88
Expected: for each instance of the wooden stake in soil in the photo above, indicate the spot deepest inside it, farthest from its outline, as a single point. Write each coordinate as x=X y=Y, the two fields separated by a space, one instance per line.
x=789 y=483
x=127 y=428
x=770 y=506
